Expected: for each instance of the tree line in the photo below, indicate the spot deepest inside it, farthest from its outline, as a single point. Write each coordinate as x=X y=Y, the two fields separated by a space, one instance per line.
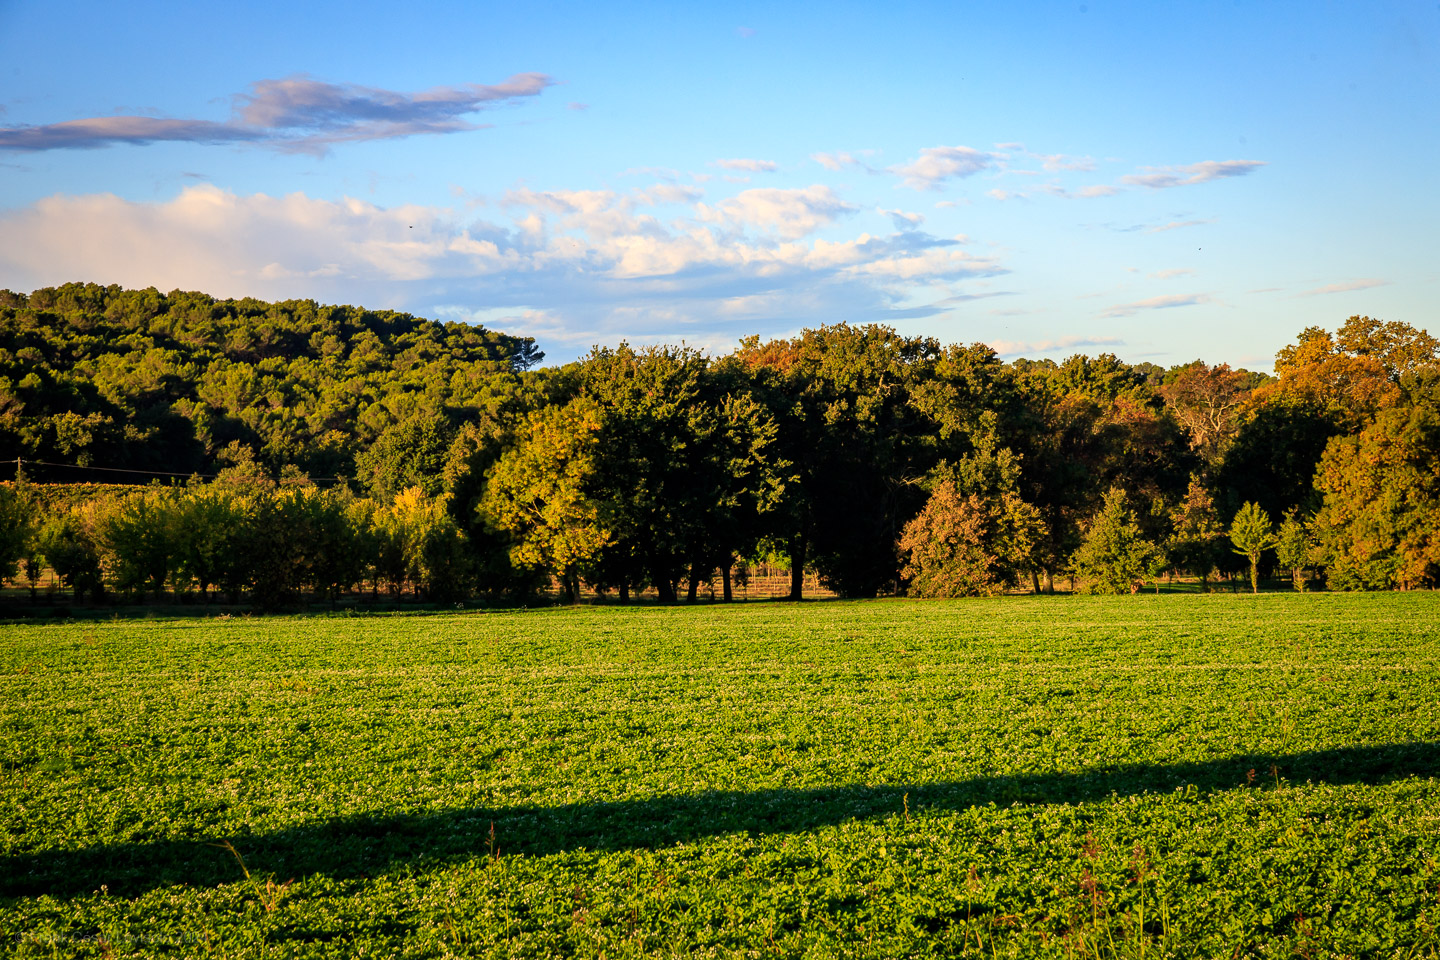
x=887 y=464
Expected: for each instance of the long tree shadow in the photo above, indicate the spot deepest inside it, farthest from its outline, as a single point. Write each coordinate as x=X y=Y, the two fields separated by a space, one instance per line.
x=370 y=845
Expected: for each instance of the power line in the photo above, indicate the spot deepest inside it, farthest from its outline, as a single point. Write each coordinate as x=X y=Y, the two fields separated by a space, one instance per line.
x=148 y=473
x=76 y=466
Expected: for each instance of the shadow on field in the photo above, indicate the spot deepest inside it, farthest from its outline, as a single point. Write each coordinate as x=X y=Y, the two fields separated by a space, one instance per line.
x=367 y=846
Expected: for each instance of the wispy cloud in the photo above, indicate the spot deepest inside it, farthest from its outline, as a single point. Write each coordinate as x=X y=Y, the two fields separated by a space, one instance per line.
x=935 y=165
x=1172 y=274
x=1159 y=178
x=748 y=166
x=903 y=219
x=841 y=159
x=104 y=131
x=1176 y=225
x=1019 y=348
x=295 y=113
x=1158 y=303
x=1346 y=287
x=1055 y=162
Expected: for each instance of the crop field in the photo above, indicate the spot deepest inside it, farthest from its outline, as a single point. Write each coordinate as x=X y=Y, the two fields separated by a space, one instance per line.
x=1193 y=776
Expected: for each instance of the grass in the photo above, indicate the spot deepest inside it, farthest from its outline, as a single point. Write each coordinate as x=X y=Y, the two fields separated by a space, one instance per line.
x=1070 y=777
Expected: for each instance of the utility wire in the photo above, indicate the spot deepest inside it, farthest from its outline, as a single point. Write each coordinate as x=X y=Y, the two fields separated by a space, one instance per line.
x=149 y=473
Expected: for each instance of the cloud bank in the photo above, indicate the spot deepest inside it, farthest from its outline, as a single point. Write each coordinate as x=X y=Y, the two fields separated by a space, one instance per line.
x=579 y=266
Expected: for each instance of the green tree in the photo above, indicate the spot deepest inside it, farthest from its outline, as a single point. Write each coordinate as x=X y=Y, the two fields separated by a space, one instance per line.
x=1196 y=543
x=17 y=530
x=408 y=454
x=1252 y=533
x=68 y=543
x=141 y=538
x=1294 y=548
x=1115 y=556
x=659 y=451
x=209 y=525
x=431 y=543
x=842 y=398
x=539 y=493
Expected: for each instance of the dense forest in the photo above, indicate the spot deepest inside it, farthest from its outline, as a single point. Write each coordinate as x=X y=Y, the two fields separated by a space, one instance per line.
x=334 y=447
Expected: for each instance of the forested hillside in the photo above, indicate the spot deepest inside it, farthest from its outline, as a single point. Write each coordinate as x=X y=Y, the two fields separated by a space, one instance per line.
x=137 y=379
x=887 y=464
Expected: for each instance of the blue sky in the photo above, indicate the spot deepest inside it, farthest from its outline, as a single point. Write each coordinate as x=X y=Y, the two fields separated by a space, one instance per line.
x=1160 y=181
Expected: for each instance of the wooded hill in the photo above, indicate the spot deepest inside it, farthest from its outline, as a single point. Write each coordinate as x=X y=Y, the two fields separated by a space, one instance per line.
x=183 y=382
x=886 y=463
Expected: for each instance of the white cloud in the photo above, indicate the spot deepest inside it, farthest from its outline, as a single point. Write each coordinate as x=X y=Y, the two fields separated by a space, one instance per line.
x=840 y=159
x=789 y=213
x=932 y=264
x=1158 y=303
x=1171 y=274
x=1020 y=348
x=1346 y=287
x=1177 y=225
x=586 y=265
x=1159 y=178
x=935 y=165
x=748 y=166
x=903 y=220
x=1058 y=161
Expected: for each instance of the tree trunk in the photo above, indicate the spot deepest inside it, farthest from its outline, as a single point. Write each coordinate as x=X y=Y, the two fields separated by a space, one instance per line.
x=1035 y=582
x=1254 y=577
x=797 y=567
x=725 y=576
x=664 y=585
x=694 y=582
x=624 y=591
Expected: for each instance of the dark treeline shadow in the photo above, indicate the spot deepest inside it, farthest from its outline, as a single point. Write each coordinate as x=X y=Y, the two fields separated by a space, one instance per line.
x=367 y=846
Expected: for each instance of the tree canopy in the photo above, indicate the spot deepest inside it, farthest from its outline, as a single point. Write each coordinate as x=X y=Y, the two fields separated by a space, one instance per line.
x=882 y=462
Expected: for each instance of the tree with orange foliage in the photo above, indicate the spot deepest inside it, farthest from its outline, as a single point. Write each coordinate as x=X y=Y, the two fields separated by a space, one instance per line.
x=1379 y=526
x=1356 y=371
x=1207 y=401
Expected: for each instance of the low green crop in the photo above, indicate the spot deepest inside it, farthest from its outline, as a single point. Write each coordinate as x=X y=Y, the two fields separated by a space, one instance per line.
x=1073 y=777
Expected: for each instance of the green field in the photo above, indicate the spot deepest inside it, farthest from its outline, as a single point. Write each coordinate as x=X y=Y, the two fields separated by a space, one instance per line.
x=1142 y=776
